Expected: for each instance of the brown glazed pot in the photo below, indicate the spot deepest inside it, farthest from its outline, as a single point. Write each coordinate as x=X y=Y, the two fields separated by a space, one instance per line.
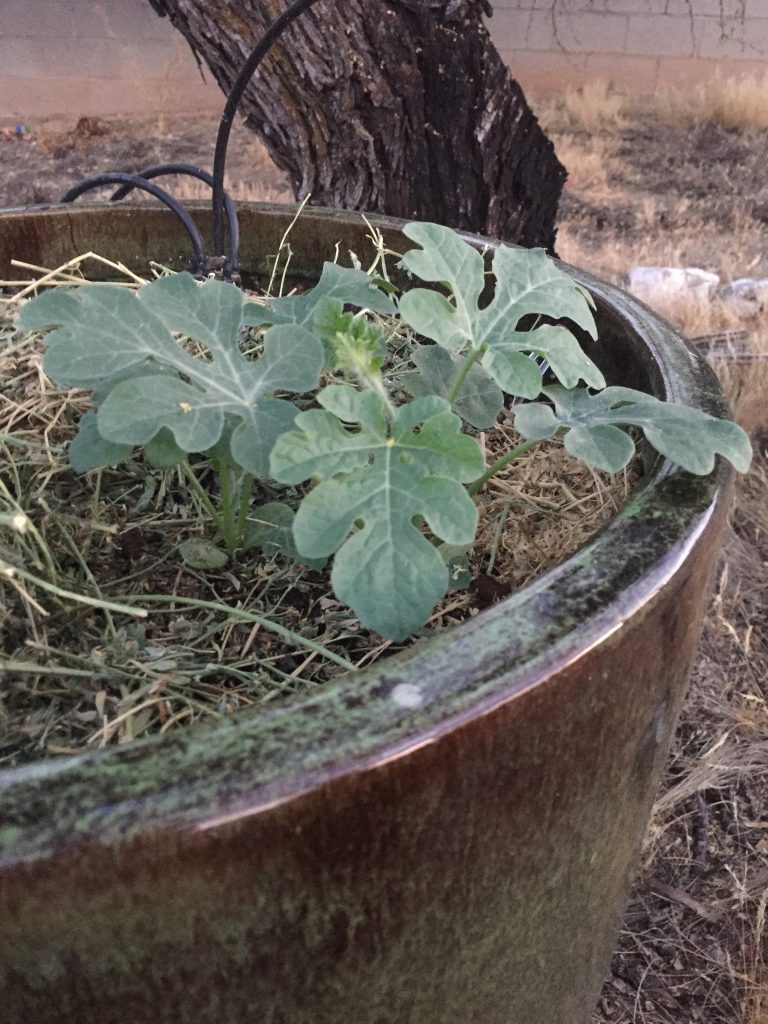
x=446 y=838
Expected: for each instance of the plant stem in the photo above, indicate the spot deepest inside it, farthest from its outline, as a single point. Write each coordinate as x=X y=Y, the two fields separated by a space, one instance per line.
x=505 y=460
x=29 y=526
x=78 y=555
x=497 y=538
x=461 y=376
x=377 y=385
x=11 y=571
x=246 y=616
x=228 y=523
x=200 y=491
x=245 y=499
x=9 y=665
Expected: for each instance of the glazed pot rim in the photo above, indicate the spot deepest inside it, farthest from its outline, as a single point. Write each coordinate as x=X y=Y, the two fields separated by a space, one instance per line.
x=209 y=774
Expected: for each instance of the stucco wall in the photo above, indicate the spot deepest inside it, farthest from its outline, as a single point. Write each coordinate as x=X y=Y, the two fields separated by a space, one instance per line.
x=95 y=57
x=637 y=44
x=112 y=56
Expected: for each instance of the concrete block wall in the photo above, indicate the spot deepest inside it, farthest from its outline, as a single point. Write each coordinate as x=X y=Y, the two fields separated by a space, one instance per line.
x=116 y=56
x=95 y=57
x=638 y=44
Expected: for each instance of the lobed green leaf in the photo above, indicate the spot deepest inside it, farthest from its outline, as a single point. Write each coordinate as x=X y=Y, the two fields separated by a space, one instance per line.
x=377 y=485
x=479 y=400
x=162 y=452
x=528 y=284
x=270 y=527
x=336 y=284
x=89 y=450
x=687 y=436
x=149 y=383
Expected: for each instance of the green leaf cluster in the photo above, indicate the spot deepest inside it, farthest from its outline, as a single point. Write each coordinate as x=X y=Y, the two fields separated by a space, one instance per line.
x=592 y=429
x=153 y=390
x=528 y=285
x=366 y=459
x=377 y=484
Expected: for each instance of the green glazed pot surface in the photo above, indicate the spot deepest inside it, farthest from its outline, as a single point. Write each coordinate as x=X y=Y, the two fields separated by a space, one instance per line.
x=446 y=837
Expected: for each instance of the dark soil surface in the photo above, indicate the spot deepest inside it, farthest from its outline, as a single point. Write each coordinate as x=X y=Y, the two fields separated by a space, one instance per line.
x=698 y=194
x=39 y=165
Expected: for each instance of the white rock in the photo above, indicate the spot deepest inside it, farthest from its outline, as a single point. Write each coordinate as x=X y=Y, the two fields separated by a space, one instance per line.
x=746 y=296
x=649 y=283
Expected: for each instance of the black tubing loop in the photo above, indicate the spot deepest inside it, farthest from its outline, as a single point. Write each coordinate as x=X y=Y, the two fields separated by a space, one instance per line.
x=190 y=170
x=199 y=263
x=156 y=170
x=277 y=27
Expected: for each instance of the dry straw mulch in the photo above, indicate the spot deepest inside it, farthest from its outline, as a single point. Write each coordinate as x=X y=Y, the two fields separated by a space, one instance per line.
x=82 y=556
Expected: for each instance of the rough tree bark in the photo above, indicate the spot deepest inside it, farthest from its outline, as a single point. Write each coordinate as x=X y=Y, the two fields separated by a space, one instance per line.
x=402 y=107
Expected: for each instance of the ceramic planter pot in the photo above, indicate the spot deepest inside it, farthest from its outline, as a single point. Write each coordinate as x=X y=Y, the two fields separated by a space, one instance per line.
x=447 y=838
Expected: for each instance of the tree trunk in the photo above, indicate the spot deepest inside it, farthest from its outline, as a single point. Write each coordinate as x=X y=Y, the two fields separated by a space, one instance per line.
x=402 y=107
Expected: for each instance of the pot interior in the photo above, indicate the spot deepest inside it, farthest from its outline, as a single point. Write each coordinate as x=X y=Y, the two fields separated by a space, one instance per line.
x=502 y=653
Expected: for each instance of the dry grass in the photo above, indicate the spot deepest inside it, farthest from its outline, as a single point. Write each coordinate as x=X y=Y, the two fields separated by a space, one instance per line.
x=589 y=167
x=59 y=152
x=81 y=556
x=190 y=188
x=638 y=228
x=742 y=366
x=736 y=101
x=591 y=108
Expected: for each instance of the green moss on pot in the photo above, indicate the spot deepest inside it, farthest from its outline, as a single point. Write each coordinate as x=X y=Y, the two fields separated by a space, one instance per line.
x=446 y=837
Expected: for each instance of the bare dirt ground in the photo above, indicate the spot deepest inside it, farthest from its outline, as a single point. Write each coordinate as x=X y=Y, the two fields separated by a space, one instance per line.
x=38 y=166
x=642 y=190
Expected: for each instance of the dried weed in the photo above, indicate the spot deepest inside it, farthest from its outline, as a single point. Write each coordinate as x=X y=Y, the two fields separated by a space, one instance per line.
x=594 y=107
x=735 y=101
